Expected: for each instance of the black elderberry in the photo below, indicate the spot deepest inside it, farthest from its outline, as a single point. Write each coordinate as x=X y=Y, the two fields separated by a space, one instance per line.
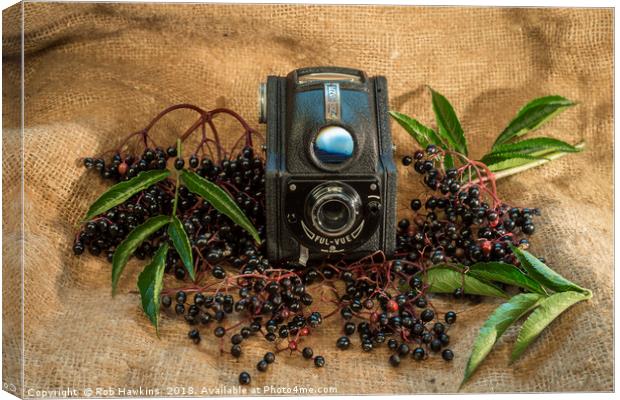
x=444 y=338
x=307 y=353
x=528 y=228
x=319 y=361
x=439 y=328
x=427 y=315
x=194 y=335
x=394 y=360
x=450 y=317
x=407 y=160
x=205 y=318
x=421 y=302
x=343 y=343
x=269 y=357
x=416 y=204
x=447 y=355
x=181 y=297
x=220 y=331
x=180 y=309
x=403 y=349
x=78 y=249
x=235 y=351
x=418 y=354
x=179 y=163
x=392 y=344
x=236 y=339
x=193 y=161
x=349 y=328
x=244 y=378
x=172 y=151
x=435 y=345
x=166 y=301
x=262 y=366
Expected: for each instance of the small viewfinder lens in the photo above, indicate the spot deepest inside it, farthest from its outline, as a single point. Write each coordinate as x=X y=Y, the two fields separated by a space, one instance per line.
x=333 y=145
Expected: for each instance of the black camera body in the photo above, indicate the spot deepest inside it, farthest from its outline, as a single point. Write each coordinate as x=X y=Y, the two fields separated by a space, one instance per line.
x=330 y=174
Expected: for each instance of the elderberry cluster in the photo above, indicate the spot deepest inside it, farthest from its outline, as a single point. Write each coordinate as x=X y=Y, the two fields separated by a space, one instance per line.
x=456 y=223
x=214 y=237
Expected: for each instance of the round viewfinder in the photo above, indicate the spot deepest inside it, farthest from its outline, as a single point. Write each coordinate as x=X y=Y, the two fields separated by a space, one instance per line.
x=333 y=145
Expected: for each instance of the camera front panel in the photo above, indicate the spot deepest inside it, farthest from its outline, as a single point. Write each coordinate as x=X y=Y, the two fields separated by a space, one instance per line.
x=332 y=216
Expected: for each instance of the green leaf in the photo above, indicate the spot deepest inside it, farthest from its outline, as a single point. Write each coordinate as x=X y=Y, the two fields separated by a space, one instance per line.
x=122 y=191
x=448 y=123
x=546 y=312
x=219 y=199
x=448 y=161
x=131 y=243
x=542 y=273
x=150 y=283
x=177 y=233
x=499 y=158
x=418 y=132
x=515 y=166
x=534 y=145
x=532 y=116
x=442 y=279
x=494 y=327
x=505 y=273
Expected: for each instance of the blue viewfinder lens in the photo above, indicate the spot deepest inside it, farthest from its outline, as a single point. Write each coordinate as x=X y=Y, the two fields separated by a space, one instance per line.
x=333 y=145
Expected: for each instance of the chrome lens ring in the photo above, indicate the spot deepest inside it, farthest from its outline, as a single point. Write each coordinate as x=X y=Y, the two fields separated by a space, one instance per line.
x=334 y=208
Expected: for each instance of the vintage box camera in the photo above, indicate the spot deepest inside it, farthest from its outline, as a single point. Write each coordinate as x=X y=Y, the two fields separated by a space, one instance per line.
x=330 y=173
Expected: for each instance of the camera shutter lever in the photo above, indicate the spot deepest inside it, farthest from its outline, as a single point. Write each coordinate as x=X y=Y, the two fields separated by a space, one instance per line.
x=303 y=255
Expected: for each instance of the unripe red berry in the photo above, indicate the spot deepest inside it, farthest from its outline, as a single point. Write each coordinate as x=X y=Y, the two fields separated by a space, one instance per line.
x=486 y=247
x=392 y=306
x=122 y=168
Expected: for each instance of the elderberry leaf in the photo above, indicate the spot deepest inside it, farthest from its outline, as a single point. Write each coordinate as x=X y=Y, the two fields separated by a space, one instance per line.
x=504 y=273
x=532 y=116
x=495 y=326
x=498 y=158
x=513 y=166
x=150 y=283
x=448 y=123
x=420 y=133
x=122 y=191
x=542 y=273
x=219 y=199
x=548 y=309
x=443 y=279
x=533 y=145
x=131 y=243
x=177 y=233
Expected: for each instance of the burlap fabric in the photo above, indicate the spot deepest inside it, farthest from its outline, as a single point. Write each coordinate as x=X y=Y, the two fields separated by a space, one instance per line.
x=95 y=72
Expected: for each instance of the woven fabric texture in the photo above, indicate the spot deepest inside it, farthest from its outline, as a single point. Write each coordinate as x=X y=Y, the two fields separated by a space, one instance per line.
x=95 y=72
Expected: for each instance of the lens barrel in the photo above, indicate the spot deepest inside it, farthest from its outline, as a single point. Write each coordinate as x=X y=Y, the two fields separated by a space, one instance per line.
x=333 y=208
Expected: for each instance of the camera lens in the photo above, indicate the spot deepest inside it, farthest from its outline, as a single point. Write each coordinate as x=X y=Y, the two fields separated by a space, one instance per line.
x=333 y=208
x=333 y=145
x=333 y=215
